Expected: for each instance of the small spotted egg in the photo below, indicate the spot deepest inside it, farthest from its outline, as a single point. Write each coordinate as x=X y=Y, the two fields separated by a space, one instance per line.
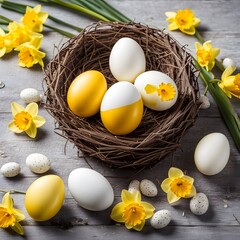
x=199 y=204
x=10 y=169
x=148 y=188
x=38 y=163
x=161 y=219
x=134 y=185
x=29 y=95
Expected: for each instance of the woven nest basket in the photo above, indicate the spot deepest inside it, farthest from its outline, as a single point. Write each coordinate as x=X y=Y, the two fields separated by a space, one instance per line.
x=159 y=133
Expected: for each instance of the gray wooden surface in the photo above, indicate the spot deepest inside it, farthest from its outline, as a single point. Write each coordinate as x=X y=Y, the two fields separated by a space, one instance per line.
x=220 y=23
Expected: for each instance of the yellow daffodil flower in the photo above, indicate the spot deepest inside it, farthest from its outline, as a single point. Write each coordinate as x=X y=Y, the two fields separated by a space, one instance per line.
x=25 y=119
x=178 y=185
x=29 y=53
x=9 y=216
x=166 y=92
x=229 y=83
x=34 y=19
x=132 y=211
x=5 y=43
x=184 y=20
x=206 y=54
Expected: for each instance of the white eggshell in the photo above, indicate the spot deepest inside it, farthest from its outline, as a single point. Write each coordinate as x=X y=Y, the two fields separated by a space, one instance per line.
x=199 y=204
x=161 y=219
x=148 y=188
x=38 y=163
x=10 y=169
x=134 y=185
x=153 y=100
x=90 y=189
x=212 y=153
x=29 y=95
x=127 y=60
x=205 y=103
x=228 y=62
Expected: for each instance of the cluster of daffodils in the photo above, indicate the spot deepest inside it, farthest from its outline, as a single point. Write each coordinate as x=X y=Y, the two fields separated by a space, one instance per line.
x=133 y=212
x=220 y=89
x=25 y=37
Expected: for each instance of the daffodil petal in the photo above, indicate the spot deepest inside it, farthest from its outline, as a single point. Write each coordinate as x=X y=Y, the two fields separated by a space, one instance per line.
x=171 y=14
x=171 y=197
x=16 y=108
x=14 y=128
x=18 y=215
x=189 y=179
x=215 y=52
x=149 y=209
x=175 y=173
x=196 y=22
x=190 y=31
x=32 y=109
x=18 y=228
x=117 y=212
x=39 y=121
x=228 y=72
x=37 y=9
x=139 y=227
x=128 y=226
x=32 y=131
x=128 y=197
x=192 y=193
x=198 y=46
x=43 y=16
x=172 y=26
x=7 y=201
x=2 y=51
x=166 y=185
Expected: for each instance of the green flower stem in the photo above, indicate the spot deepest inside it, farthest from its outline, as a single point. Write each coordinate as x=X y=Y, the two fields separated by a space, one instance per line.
x=67 y=34
x=78 y=8
x=230 y=117
x=21 y=8
x=201 y=40
x=12 y=191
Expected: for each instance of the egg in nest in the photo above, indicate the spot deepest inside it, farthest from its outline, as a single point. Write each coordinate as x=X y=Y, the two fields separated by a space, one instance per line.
x=159 y=92
x=121 y=108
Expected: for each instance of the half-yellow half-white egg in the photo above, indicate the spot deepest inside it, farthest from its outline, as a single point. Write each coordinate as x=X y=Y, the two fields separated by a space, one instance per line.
x=121 y=108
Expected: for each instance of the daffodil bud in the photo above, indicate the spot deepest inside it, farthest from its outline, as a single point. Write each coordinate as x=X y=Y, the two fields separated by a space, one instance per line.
x=228 y=62
x=204 y=102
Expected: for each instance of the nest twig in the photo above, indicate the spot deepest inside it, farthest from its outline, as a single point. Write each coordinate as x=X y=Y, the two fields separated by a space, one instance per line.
x=159 y=132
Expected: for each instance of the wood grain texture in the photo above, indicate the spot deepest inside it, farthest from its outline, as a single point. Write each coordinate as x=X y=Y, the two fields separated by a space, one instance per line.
x=220 y=21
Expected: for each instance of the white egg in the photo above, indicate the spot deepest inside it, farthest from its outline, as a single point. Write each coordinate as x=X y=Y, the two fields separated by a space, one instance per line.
x=90 y=189
x=199 y=204
x=134 y=185
x=212 y=153
x=10 y=169
x=29 y=95
x=148 y=188
x=127 y=60
x=161 y=219
x=205 y=103
x=158 y=82
x=38 y=163
x=228 y=62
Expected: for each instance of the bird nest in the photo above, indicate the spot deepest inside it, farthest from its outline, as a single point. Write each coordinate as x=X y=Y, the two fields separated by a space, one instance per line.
x=159 y=133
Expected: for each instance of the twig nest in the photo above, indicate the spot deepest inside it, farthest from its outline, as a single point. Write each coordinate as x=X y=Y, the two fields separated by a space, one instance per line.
x=159 y=133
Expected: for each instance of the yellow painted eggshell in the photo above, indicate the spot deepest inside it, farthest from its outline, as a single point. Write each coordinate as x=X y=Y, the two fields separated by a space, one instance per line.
x=121 y=108
x=44 y=197
x=85 y=93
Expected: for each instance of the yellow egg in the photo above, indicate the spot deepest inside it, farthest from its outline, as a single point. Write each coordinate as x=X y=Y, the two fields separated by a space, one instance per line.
x=85 y=93
x=44 y=197
x=121 y=108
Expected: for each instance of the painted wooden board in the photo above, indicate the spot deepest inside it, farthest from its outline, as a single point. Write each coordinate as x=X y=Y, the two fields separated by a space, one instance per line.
x=220 y=23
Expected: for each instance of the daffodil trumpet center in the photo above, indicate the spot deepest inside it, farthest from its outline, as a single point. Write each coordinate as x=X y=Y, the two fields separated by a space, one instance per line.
x=185 y=19
x=6 y=218
x=134 y=214
x=23 y=120
x=181 y=187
